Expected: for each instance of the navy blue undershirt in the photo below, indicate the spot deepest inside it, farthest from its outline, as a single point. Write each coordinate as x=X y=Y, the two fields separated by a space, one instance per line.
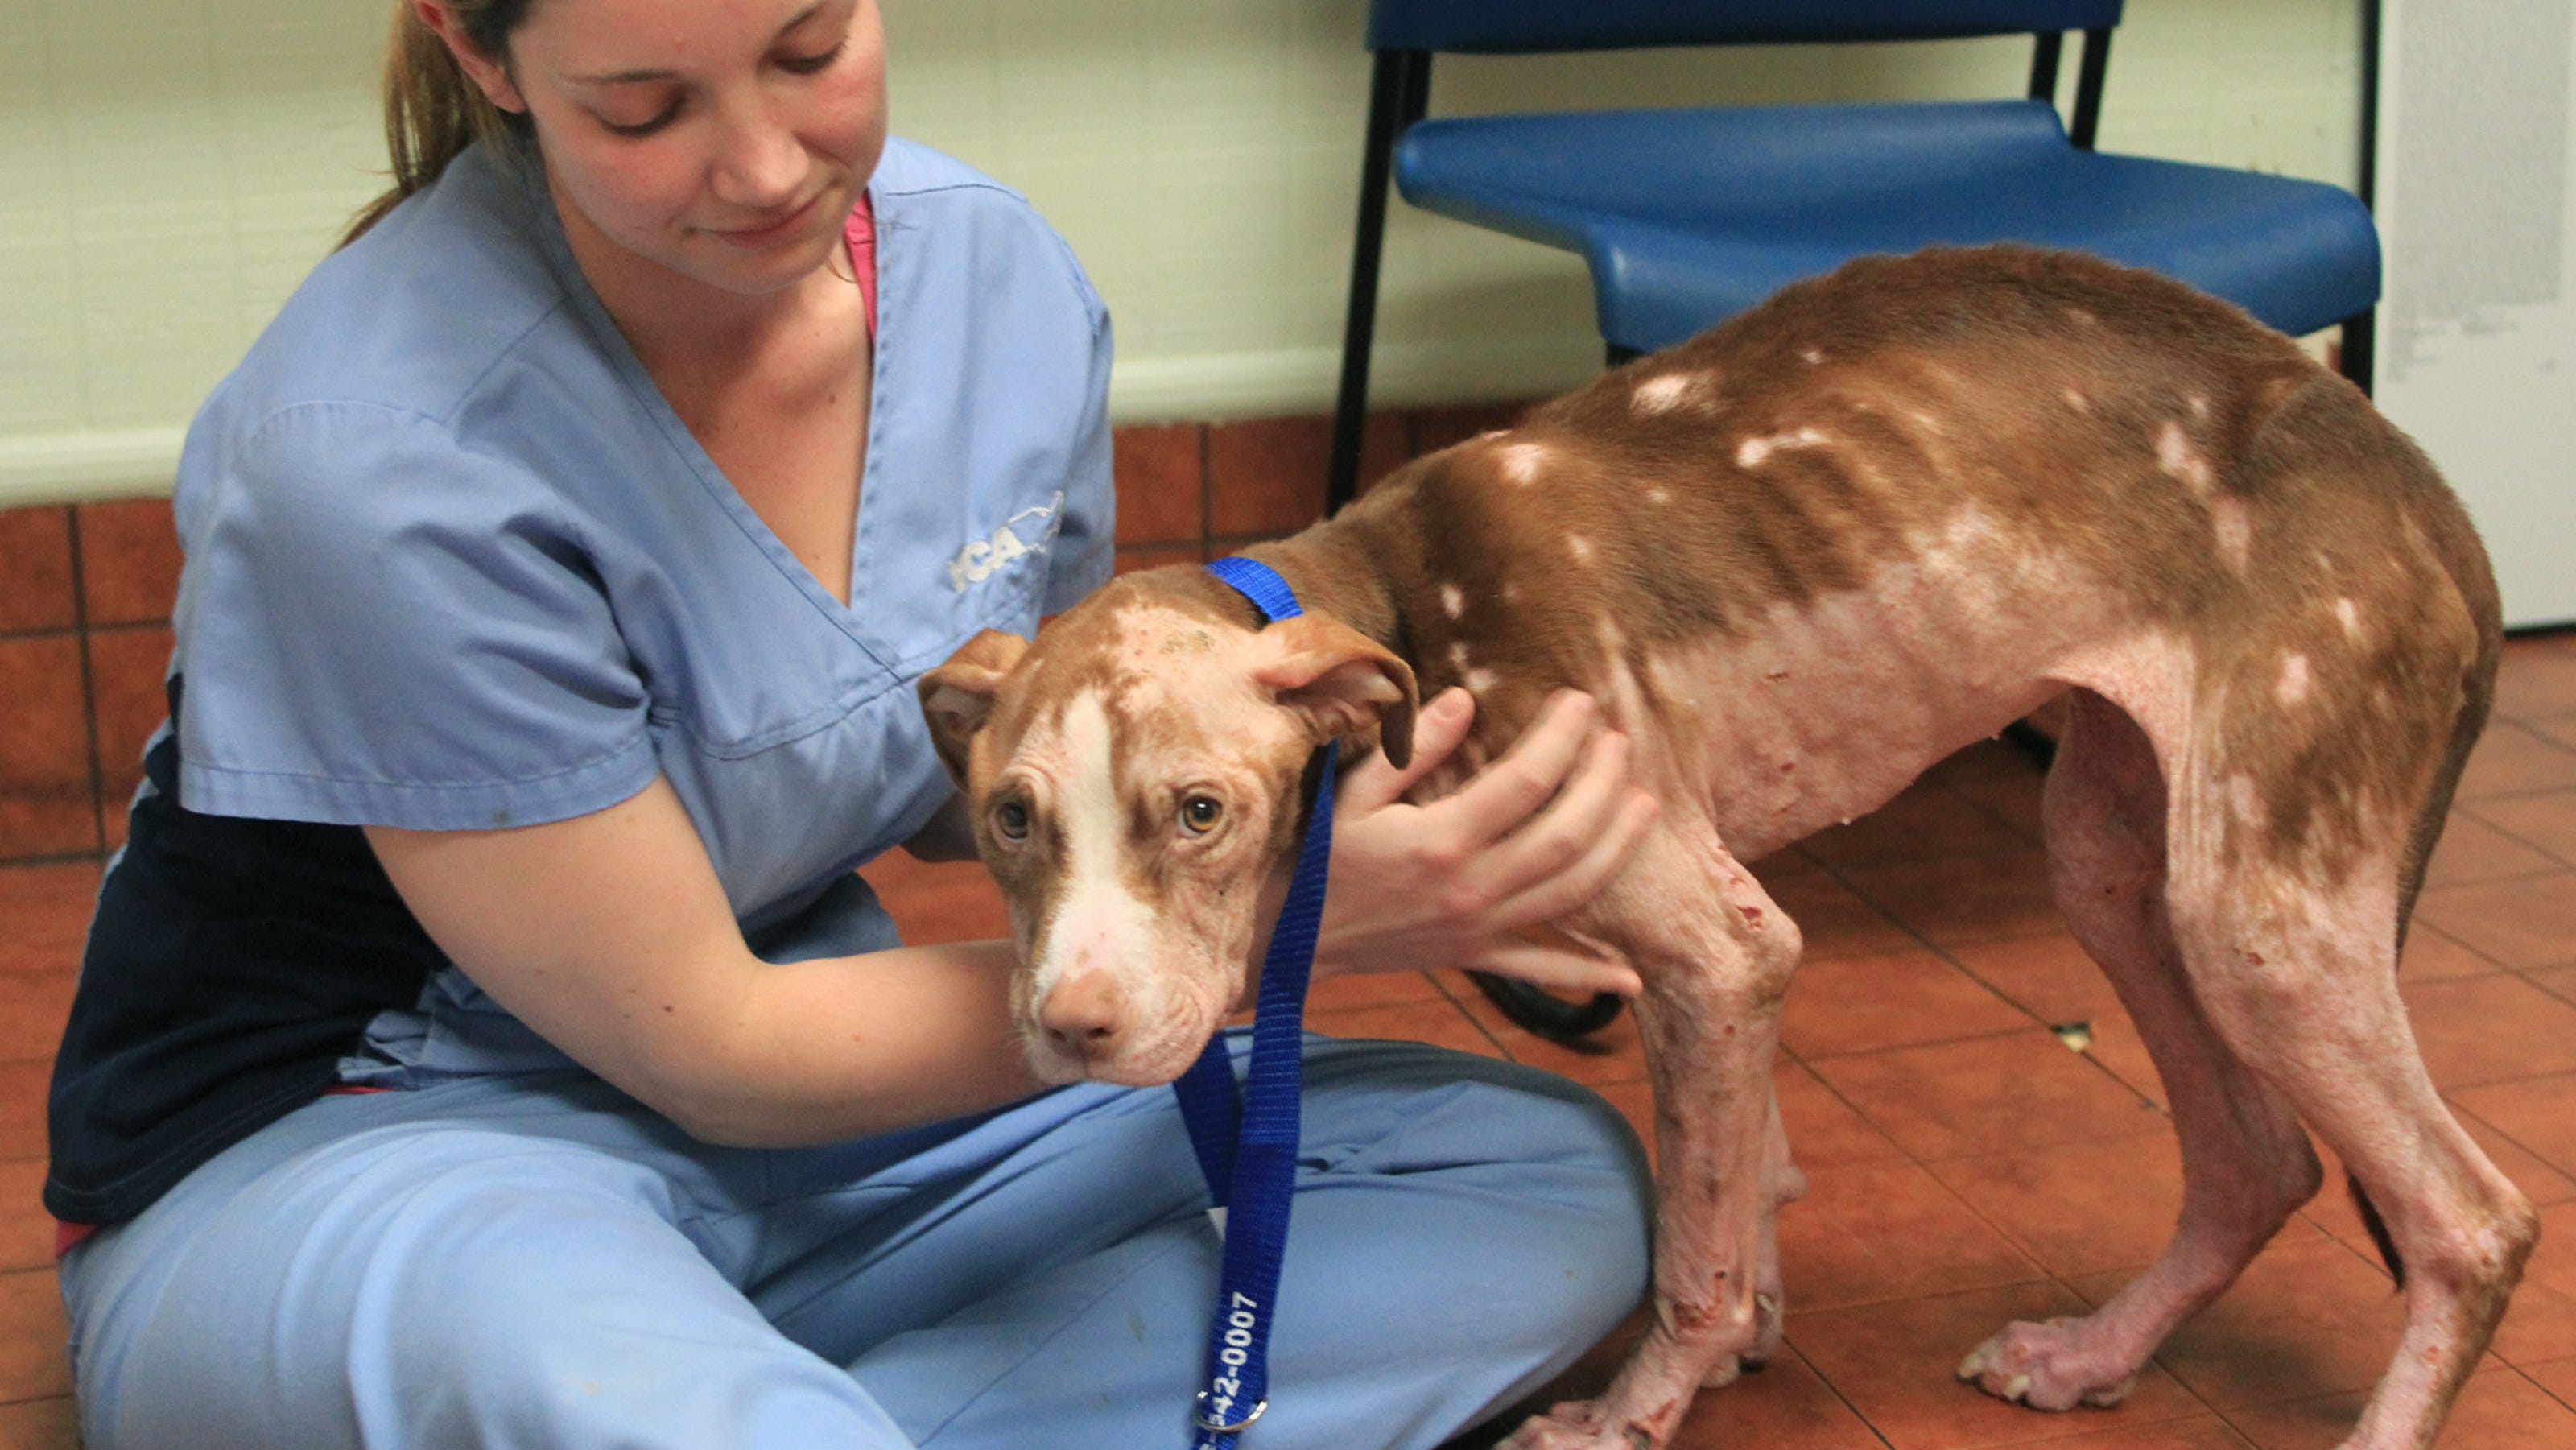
x=232 y=964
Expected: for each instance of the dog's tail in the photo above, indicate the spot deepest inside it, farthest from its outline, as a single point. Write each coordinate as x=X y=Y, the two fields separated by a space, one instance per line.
x=2378 y=1227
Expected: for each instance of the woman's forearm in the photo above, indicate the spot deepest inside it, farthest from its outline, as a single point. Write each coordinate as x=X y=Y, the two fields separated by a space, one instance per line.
x=845 y=1047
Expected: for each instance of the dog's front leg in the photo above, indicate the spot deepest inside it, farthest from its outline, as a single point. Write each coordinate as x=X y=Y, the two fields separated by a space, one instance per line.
x=1716 y=955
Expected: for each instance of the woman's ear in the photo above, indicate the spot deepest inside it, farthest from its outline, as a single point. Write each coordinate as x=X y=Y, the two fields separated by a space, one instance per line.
x=486 y=71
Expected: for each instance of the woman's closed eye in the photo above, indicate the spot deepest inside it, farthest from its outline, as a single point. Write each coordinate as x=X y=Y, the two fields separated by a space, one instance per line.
x=815 y=64
x=647 y=126
x=811 y=64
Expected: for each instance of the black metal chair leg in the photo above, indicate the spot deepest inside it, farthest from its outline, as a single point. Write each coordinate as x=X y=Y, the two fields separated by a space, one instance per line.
x=2360 y=348
x=1398 y=89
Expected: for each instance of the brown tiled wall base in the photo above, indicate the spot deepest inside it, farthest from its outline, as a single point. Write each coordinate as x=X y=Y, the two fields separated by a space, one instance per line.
x=1189 y=492
x=86 y=590
x=85 y=593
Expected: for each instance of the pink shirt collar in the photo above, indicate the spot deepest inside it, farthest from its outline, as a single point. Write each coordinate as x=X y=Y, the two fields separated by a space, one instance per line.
x=861 y=230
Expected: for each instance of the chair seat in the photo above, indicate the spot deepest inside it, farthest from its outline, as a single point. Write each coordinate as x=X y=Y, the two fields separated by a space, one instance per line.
x=1688 y=217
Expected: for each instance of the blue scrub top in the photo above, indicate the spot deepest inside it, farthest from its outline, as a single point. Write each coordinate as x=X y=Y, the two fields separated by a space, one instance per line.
x=453 y=563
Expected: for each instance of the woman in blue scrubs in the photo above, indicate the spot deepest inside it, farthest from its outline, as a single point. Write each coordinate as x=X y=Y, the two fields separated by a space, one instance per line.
x=483 y=1039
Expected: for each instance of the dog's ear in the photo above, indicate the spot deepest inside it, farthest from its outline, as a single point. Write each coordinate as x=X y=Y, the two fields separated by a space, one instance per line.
x=958 y=696
x=1340 y=680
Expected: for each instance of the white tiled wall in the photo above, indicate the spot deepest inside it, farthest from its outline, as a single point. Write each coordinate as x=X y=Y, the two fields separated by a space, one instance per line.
x=169 y=168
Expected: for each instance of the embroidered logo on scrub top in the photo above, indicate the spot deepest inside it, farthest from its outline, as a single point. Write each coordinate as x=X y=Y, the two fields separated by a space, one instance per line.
x=981 y=557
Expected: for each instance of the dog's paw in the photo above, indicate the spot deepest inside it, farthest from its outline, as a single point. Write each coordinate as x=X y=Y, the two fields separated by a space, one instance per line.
x=2051 y=1366
x=1577 y=1425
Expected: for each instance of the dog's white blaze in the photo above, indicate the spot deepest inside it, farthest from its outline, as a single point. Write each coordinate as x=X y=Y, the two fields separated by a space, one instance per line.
x=1522 y=462
x=1453 y=600
x=1100 y=922
x=2292 y=688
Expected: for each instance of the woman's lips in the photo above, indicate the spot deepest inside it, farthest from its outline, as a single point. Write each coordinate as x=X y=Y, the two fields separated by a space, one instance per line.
x=769 y=233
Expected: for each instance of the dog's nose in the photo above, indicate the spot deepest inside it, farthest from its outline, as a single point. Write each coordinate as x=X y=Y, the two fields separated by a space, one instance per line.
x=1082 y=1015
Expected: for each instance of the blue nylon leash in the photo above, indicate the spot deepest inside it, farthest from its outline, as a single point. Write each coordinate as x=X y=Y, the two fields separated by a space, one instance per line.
x=1247 y=1142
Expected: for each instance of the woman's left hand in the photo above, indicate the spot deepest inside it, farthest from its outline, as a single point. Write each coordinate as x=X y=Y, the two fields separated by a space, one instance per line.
x=1528 y=839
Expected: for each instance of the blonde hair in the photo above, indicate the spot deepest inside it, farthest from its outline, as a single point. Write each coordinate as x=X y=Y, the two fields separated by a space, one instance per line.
x=433 y=110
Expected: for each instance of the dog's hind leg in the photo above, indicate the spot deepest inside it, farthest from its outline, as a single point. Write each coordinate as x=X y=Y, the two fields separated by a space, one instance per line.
x=2308 y=989
x=1716 y=955
x=2246 y=1163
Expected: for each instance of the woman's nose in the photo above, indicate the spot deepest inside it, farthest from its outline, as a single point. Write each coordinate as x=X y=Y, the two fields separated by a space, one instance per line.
x=759 y=163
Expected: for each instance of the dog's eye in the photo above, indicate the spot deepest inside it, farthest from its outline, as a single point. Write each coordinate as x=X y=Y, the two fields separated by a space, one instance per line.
x=1200 y=813
x=1012 y=821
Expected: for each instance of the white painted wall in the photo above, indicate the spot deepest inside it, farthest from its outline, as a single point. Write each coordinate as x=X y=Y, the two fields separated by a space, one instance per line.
x=169 y=169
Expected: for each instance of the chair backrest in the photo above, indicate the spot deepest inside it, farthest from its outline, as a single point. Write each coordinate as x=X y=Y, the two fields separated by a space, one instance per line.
x=1496 y=27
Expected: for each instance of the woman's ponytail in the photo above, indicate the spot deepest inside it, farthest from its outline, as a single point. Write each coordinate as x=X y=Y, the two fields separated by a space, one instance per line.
x=433 y=110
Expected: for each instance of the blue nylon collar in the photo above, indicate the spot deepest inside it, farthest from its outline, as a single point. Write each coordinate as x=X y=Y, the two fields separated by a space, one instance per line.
x=1247 y=1140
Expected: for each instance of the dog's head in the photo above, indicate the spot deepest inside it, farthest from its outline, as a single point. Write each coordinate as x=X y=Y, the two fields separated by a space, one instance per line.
x=1134 y=778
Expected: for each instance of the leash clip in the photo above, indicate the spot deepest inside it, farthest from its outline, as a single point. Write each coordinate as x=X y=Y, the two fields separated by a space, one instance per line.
x=1199 y=1417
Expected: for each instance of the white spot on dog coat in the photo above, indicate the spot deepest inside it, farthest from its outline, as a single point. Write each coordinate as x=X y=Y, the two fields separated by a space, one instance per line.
x=2350 y=615
x=1522 y=462
x=1753 y=451
x=2245 y=800
x=1453 y=600
x=1660 y=395
x=1659 y=495
x=1580 y=547
x=2292 y=687
x=2076 y=401
x=2176 y=456
x=2235 y=528
x=1480 y=680
x=1810 y=356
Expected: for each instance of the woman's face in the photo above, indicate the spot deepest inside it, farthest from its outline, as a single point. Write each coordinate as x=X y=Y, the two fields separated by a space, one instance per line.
x=722 y=140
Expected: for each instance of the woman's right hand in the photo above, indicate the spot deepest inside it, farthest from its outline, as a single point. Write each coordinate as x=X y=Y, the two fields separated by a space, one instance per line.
x=1528 y=839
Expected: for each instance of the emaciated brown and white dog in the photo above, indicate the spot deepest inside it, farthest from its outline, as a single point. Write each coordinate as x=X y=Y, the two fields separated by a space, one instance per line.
x=1798 y=560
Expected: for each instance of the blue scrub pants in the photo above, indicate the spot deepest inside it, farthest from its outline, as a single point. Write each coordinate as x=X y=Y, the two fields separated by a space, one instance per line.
x=537 y=1261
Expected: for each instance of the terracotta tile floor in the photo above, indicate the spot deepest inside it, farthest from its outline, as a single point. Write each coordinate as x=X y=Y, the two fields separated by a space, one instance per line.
x=1967 y=1165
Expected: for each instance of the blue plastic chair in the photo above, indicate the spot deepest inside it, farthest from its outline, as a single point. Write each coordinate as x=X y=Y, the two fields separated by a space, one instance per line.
x=1689 y=216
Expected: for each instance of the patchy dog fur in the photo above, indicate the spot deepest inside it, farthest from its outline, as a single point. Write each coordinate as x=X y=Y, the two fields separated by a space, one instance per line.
x=1798 y=560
